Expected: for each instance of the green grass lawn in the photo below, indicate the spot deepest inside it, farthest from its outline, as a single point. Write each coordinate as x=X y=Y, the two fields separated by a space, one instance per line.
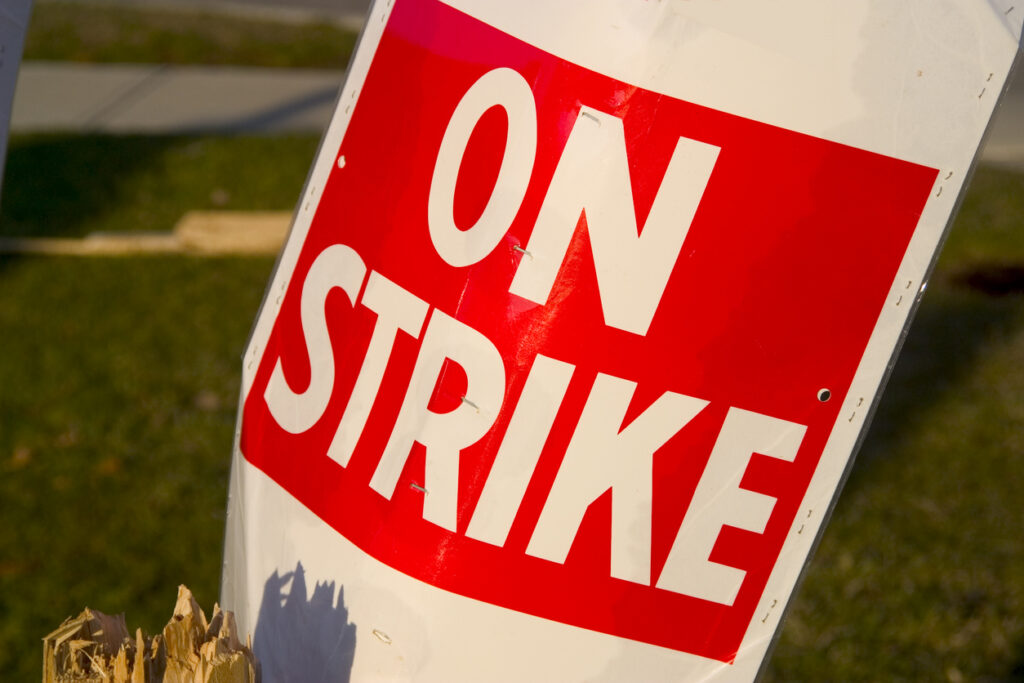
x=119 y=380
x=97 y=32
x=71 y=185
x=117 y=411
x=920 y=573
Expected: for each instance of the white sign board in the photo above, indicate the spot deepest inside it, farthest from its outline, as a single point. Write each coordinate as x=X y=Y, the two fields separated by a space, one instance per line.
x=580 y=321
x=14 y=16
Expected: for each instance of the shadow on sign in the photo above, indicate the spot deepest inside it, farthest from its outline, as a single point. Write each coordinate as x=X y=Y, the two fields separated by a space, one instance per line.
x=300 y=639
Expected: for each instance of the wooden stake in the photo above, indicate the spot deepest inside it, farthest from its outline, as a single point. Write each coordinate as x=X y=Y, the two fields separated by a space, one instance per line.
x=95 y=647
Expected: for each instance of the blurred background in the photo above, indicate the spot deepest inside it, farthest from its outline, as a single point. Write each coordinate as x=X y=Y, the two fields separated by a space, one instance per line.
x=120 y=372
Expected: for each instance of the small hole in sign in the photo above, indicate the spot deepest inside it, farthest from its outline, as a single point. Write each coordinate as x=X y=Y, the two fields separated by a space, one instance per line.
x=824 y=395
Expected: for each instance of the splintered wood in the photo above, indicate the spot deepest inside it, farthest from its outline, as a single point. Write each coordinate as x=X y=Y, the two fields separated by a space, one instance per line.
x=97 y=647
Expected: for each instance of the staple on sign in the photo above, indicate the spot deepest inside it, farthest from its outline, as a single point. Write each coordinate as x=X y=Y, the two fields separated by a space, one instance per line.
x=381 y=636
x=471 y=404
x=417 y=487
x=516 y=247
x=1009 y=10
x=860 y=401
x=989 y=77
x=590 y=116
x=981 y=93
x=949 y=175
x=800 y=530
x=939 y=193
x=900 y=300
x=852 y=416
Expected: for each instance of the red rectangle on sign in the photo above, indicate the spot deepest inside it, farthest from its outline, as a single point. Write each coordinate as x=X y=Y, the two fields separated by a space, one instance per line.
x=568 y=346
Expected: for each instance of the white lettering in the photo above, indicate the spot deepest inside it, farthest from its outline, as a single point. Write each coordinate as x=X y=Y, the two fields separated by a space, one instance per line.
x=592 y=178
x=396 y=309
x=443 y=434
x=602 y=455
x=336 y=266
x=719 y=500
x=519 y=451
x=504 y=88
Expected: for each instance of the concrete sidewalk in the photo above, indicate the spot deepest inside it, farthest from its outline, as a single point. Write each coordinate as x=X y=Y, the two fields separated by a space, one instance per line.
x=348 y=13
x=62 y=96
x=138 y=98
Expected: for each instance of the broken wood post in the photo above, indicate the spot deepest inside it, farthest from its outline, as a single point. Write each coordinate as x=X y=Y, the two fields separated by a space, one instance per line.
x=97 y=647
